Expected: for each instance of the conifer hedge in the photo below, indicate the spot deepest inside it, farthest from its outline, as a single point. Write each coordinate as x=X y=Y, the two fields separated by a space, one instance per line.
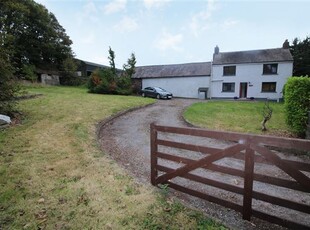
x=297 y=104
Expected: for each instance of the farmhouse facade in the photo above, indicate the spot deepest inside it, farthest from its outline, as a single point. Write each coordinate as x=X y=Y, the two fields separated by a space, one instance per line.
x=251 y=74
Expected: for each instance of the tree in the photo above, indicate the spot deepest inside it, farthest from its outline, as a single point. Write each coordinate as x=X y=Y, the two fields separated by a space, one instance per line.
x=34 y=35
x=301 y=54
x=267 y=113
x=8 y=86
x=129 y=68
x=111 y=60
x=111 y=81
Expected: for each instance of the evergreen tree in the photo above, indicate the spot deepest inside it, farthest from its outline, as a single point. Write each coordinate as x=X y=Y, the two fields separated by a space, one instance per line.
x=112 y=60
x=300 y=49
x=129 y=67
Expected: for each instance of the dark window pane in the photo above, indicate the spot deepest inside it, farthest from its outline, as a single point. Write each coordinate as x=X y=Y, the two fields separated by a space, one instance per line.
x=229 y=70
x=269 y=86
x=228 y=87
x=270 y=69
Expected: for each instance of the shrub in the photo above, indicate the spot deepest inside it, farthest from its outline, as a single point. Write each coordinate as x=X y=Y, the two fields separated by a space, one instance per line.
x=297 y=104
x=72 y=80
x=104 y=81
x=99 y=81
x=9 y=88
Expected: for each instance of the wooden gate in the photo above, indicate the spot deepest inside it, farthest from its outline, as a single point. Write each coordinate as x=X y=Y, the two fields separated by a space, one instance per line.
x=253 y=150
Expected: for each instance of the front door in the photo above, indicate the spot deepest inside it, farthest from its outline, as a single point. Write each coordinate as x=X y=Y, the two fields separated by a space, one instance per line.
x=243 y=90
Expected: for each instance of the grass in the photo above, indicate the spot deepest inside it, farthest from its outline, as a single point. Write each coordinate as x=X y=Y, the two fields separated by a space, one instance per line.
x=245 y=117
x=54 y=176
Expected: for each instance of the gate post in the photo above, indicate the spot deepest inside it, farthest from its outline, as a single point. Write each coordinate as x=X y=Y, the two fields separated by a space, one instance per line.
x=154 y=149
x=248 y=183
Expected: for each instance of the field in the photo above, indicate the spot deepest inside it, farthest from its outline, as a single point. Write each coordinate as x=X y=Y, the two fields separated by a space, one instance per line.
x=237 y=116
x=54 y=176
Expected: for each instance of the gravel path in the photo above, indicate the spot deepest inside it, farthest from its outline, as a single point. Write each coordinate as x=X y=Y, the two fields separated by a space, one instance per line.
x=127 y=140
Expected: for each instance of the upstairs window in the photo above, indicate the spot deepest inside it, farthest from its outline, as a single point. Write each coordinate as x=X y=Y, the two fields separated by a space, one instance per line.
x=269 y=87
x=228 y=87
x=229 y=70
x=270 y=69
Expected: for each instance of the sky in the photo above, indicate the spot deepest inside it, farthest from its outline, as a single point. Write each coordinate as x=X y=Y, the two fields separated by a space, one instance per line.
x=177 y=31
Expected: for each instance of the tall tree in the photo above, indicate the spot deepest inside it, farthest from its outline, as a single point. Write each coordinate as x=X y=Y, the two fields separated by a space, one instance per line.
x=112 y=60
x=300 y=50
x=34 y=35
x=129 y=67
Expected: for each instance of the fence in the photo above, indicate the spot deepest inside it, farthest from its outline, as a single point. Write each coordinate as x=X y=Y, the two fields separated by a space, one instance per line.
x=252 y=150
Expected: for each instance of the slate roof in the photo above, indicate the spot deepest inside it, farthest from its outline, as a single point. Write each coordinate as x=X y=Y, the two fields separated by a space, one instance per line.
x=94 y=64
x=175 y=70
x=252 y=56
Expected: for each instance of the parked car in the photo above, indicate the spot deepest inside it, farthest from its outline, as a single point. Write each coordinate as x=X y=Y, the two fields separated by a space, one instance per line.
x=156 y=92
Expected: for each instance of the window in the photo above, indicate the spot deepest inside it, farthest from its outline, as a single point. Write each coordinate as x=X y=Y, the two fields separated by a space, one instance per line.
x=228 y=87
x=269 y=87
x=270 y=69
x=229 y=70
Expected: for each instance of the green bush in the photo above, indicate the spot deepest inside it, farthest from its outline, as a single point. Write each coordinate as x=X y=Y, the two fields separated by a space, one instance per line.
x=72 y=80
x=297 y=104
x=9 y=87
x=104 y=81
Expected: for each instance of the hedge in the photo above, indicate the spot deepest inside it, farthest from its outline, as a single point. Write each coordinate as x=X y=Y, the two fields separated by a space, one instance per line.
x=297 y=104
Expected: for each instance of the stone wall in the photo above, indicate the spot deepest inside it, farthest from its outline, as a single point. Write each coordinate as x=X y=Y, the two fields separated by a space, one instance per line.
x=50 y=79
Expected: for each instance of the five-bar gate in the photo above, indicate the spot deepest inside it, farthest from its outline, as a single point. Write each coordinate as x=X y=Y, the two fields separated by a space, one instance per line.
x=252 y=149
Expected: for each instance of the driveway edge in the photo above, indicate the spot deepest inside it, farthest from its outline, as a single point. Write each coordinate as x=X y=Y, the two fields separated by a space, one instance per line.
x=101 y=124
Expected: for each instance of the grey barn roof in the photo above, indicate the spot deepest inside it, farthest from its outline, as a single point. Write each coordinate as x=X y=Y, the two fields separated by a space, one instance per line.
x=94 y=64
x=253 y=56
x=175 y=70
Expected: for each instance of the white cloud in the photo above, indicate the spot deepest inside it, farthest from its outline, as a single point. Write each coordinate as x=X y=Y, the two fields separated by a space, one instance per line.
x=115 y=6
x=127 y=24
x=155 y=3
x=88 y=13
x=229 y=23
x=169 y=41
x=202 y=20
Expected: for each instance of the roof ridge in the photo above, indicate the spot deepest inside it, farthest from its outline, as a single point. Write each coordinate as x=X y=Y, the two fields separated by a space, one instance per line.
x=189 y=63
x=240 y=51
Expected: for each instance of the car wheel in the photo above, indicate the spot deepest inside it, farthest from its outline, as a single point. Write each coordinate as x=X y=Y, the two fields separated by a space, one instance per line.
x=143 y=94
x=158 y=96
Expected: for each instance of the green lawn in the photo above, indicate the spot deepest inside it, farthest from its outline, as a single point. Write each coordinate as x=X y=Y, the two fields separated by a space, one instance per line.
x=238 y=116
x=54 y=176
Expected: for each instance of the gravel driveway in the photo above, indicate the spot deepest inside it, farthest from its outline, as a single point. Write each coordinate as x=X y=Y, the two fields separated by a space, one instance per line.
x=127 y=140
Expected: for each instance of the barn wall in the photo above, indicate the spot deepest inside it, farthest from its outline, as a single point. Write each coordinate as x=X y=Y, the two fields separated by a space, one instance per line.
x=186 y=87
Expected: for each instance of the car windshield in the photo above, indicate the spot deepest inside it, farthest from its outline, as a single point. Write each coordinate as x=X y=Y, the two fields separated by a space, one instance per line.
x=160 y=89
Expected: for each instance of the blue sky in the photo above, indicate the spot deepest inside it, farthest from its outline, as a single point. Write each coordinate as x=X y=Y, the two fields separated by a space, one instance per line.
x=177 y=31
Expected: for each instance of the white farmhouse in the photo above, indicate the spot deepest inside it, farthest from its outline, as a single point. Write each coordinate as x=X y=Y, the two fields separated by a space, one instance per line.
x=254 y=74
x=250 y=74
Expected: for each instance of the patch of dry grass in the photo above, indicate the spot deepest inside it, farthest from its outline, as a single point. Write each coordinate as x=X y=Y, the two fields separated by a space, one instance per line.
x=53 y=175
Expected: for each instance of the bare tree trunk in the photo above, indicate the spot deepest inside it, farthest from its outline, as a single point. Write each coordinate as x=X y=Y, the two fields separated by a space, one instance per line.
x=264 y=124
x=267 y=113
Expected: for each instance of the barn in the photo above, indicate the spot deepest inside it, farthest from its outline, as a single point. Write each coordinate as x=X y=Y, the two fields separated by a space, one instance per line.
x=189 y=80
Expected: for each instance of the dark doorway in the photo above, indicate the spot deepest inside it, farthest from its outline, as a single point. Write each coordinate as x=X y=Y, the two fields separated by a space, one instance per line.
x=243 y=90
